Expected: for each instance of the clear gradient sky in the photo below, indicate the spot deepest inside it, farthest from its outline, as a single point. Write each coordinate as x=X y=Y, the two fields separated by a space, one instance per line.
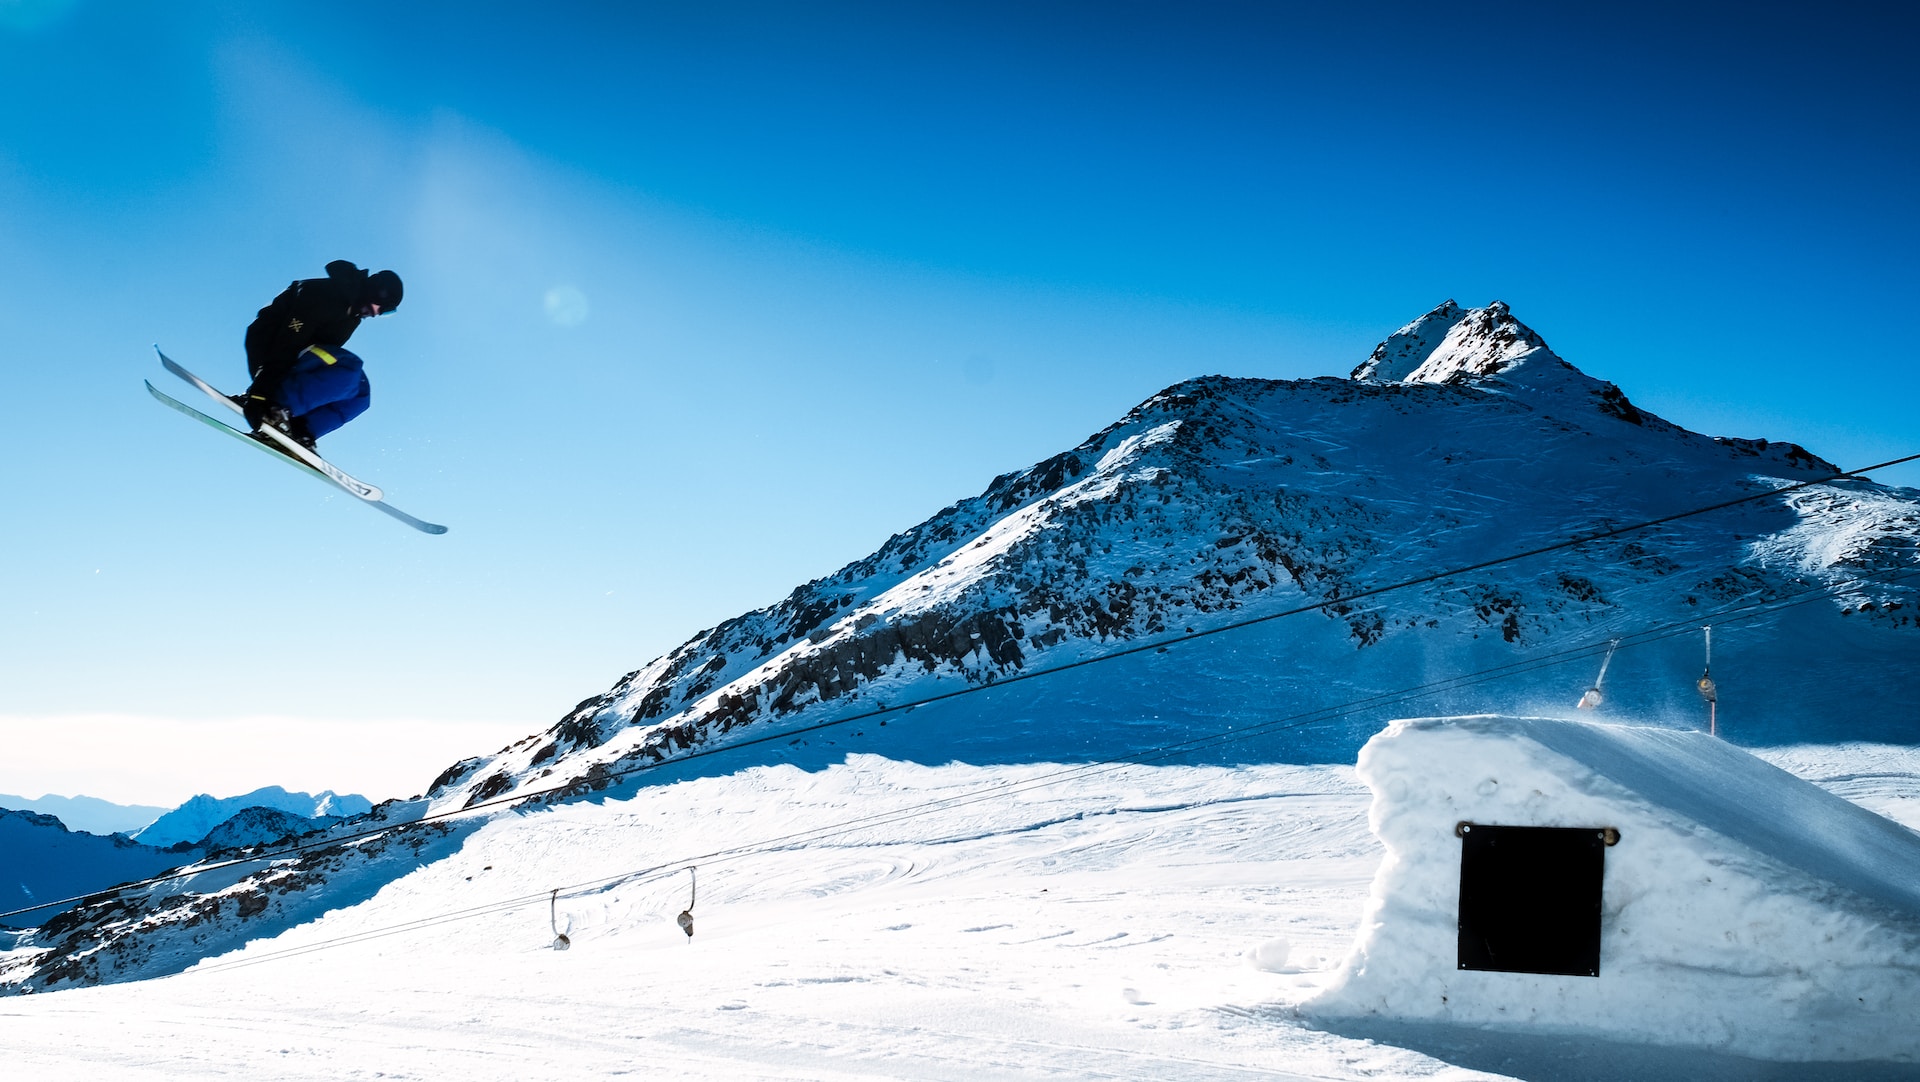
x=704 y=301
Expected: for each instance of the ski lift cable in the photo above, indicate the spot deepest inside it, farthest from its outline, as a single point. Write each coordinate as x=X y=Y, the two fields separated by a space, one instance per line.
x=1334 y=713
x=420 y=924
x=1319 y=716
x=1206 y=741
x=1200 y=743
x=1324 y=714
x=661 y=871
x=667 y=869
x=1033 y=674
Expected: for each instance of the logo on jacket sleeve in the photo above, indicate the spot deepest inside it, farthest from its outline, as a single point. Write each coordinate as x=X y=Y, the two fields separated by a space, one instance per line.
x=294 y=325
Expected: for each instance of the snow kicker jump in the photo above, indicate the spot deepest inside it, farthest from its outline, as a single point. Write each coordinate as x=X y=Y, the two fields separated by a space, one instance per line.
x=283 y=448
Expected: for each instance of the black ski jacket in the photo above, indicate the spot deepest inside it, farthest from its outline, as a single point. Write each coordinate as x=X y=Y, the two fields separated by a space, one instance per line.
x=311 y=312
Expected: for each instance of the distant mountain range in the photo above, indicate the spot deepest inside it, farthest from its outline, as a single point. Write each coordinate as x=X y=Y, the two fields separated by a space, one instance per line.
x=43 y=860
x=194 y=819
x=91 y=814
x=1212 y=566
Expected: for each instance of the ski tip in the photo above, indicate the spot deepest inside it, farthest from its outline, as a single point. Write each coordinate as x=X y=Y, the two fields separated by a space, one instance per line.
x=419 y=524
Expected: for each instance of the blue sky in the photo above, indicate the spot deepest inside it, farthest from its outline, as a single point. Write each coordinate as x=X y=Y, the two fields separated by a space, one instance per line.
x=707 y=300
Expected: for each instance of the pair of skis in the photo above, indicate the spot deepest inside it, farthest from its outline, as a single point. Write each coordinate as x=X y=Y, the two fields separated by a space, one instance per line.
x=284 y=447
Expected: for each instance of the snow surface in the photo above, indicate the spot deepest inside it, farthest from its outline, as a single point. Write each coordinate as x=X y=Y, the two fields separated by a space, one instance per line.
x=1032 y=921
x=1741 y=908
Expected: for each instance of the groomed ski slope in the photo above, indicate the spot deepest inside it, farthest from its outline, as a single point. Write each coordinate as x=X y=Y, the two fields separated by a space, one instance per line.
x=1139 y=922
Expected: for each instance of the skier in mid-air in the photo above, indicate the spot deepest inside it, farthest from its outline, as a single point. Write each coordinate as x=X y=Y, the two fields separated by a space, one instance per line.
x=304 y=383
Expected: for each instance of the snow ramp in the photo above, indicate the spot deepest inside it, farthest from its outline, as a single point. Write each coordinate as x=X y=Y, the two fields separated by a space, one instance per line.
x=1739 y=909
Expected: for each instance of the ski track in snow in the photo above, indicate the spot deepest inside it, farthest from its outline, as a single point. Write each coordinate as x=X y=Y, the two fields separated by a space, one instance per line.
x=1138 y=923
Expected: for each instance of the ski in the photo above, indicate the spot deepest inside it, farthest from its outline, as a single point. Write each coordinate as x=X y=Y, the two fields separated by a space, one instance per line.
x=246 y=438
x=370 y=493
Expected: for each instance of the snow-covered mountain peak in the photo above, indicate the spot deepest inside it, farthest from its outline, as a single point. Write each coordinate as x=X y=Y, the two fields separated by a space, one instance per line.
x=1452 y=344
x=1489 y=350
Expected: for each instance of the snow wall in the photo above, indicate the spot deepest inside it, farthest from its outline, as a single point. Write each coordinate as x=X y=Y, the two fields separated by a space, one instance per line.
x=1742 y=910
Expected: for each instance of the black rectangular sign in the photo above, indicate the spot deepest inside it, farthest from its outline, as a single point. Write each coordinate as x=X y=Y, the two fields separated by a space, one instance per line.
x=1530 y=898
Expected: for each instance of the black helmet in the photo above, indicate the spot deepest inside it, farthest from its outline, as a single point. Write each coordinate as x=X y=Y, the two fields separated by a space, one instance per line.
x=381 y=288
